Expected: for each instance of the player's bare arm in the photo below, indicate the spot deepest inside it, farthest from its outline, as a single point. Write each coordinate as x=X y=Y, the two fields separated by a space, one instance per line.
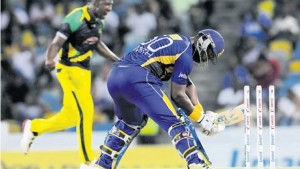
x=192 y=93
x=104 y=51
x=185 y=97
x=52 y=51
x=180 y=98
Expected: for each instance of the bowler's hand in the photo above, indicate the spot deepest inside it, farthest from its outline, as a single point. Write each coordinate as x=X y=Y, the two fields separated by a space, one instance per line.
x=50 y=65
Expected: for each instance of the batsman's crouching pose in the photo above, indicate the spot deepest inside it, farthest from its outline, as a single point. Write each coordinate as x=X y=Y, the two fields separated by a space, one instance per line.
x=135 y=84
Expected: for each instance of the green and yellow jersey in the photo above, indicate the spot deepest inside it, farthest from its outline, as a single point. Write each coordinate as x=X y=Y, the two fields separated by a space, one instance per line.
x=82 y=33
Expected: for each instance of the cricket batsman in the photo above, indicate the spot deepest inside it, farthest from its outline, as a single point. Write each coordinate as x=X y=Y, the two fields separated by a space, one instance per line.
x=136 y=86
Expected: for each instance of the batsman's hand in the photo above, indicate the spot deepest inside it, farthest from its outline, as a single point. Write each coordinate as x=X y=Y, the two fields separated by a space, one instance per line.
x=209 y=124
x=50 y=65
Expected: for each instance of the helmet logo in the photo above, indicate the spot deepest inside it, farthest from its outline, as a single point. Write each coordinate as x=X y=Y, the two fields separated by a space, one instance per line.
x=219 y=54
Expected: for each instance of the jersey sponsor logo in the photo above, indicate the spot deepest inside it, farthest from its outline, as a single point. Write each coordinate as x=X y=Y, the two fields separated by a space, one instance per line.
x=91 y=41
x=182 y=75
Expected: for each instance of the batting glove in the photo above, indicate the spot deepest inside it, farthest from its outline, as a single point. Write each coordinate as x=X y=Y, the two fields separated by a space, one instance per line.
x=209 y=124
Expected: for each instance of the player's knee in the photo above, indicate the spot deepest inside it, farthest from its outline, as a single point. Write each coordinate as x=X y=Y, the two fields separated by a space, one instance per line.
x=176 y=129
x=120 y=135
x=182 y=139
x=124 y=128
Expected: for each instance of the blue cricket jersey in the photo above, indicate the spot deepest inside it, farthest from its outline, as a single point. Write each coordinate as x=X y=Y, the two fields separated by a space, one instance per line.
x=166 y=56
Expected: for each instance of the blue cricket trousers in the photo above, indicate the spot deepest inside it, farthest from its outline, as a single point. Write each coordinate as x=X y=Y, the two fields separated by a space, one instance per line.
x=136 y=92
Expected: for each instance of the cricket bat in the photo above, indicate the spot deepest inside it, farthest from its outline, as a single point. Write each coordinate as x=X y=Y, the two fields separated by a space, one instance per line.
x=232 y=116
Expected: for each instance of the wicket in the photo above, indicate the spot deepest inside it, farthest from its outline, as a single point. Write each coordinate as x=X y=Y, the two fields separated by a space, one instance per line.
x=259 y=116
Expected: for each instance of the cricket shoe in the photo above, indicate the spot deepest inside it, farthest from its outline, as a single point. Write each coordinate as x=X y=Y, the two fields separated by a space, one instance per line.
x=85 y=166
x=95 y=166
x=199 y=166
x=88 y=166
x=27 y=137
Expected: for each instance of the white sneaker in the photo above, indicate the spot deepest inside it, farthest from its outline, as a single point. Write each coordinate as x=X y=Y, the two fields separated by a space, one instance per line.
x=90 y=166
x=199 y=166
x=95 y=166
x=84 y=166
x=27 y=137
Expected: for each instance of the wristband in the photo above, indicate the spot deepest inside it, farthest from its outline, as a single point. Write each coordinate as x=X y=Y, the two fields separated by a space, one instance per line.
x=197 y=113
